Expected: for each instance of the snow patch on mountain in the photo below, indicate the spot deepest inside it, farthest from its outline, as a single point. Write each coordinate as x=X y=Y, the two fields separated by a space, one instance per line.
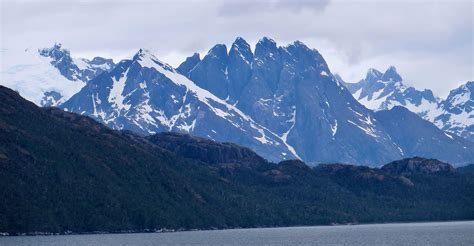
x=48 y=76
x=32 y=75
x=384 y=91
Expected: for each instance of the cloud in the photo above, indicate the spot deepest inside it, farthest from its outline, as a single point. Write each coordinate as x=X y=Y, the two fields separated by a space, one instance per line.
x=236 y=8
x=431 y=43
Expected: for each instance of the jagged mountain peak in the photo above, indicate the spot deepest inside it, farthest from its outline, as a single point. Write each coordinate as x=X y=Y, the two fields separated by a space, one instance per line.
x=300 y=45
x=189 y=64
x=240 y=53
x=265 y=46
x=49 y=76
x=383 y=91
x=143 y=54
x=240 y=43
x=298 y=50
x=457 y=111
x=452 y=114
x=373 y=75
x=391 y=75
x=266 y=41
x=462 y=94
x=218 y=51
x=147 y=59
x=196 y=56
x=470 y=85
x=56 y=51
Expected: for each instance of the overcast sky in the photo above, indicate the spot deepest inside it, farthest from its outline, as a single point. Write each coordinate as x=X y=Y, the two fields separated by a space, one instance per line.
x=430 y=42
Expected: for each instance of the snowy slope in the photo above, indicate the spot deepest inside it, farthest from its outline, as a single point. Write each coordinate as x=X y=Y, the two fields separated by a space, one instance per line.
x=458 y=112
x=33 y=75
x=49 y=76
x=383 y=91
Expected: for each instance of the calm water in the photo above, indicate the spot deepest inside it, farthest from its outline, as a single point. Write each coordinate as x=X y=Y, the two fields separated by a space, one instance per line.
x=445 y=233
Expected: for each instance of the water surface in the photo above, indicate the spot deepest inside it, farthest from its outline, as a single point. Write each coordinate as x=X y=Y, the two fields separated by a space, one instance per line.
x=442 y=233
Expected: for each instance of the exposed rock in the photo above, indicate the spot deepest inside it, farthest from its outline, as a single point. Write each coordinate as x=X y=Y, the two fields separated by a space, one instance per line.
x=417 y=165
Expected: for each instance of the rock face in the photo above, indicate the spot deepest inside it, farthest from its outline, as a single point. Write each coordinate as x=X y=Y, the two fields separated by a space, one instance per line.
x=291 y=91
x=417 y=137
x=188 y=65
x=76 y=69
x=49 y=76
x=417 y=165
x=383 y=91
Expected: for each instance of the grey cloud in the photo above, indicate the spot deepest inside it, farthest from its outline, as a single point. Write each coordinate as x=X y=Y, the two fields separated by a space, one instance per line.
x=234 y=8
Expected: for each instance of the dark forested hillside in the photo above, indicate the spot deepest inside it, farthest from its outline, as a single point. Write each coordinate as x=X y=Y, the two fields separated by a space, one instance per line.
x=64 y=172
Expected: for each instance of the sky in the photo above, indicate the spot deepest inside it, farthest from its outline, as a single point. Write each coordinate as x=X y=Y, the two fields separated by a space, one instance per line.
x=430 y=42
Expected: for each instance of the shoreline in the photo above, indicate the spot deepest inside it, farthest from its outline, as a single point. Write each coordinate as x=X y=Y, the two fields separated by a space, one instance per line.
x=165 y=230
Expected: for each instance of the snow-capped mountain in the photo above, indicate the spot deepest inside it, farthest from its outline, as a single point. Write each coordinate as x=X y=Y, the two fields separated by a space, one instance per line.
x=457 y=112
x=291 y=91
x=148 y=96
x=48 y=76
x=383 y=91
x=281 y=101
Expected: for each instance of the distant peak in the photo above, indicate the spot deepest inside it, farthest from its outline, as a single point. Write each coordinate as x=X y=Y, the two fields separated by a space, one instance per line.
x=373 y=74
x=55 y=51
x=240 y=40
x=391 y=75
x=189 y=64
x=240 y=43
x=299 y=43
x=146 y=59
x=241 y=49
x=392 y=69
x=470 y=85
x=267 y=41
x=265 y=46
x=57 y=46
x=142 y=53
x=195 y=56
x=219 y=50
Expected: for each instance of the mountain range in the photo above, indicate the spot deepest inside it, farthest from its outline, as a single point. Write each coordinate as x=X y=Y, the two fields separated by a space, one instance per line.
x=62 y=172
x=382 y=91
x=281 y=101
